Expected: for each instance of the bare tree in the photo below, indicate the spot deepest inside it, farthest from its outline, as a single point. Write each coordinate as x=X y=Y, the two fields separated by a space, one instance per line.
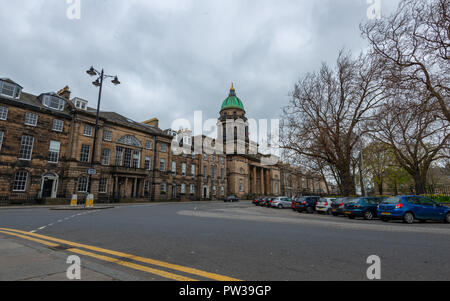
x=414 y=133
x=415 y=44
x=322 y=118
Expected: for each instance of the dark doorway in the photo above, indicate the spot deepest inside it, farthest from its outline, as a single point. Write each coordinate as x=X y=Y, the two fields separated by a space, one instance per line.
x=47 y=188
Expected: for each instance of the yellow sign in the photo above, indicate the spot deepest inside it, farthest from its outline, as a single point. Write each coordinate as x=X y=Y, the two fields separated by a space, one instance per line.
x=90 y=201
x=74 y=200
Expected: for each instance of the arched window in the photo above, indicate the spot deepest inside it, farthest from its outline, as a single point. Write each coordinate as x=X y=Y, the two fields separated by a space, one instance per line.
x=129 y=140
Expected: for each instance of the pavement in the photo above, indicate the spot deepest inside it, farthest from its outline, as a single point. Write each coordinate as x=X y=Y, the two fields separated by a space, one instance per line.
x=215 y=241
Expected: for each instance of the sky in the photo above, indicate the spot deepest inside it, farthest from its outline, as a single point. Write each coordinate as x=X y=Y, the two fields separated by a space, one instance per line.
x=174 y=57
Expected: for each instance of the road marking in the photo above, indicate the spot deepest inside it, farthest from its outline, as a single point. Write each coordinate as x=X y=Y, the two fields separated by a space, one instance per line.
x=63 y=219
x=133 y=257
x=108 y=259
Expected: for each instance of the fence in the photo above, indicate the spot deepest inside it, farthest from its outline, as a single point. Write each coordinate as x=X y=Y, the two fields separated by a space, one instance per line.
x=20 y=199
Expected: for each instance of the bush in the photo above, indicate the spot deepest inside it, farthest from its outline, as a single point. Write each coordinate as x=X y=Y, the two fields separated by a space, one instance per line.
x=445 y=199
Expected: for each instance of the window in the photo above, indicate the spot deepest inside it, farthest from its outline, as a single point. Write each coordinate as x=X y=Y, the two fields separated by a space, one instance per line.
x=149 y=144
x=54 y=151
x=103 y=185
x=129 y=140
x=183 y=189
x=58 y=125
x=163 y=147
x=20 y=181
x=193 y=169
x=87 y=130
x=162 y=187
x=107 y=135
x=10 y=90
x=3 y=113
x=127 y=158
x=53 y=102
x=147 y=163
x=214 y=190
x=205 y=157
x=162 y=165
x=31 y=119
x=191 y=189
x=136 y=159
x=222 y=191
x=222 y=160
x=183 y=169
x=241 y=185
x=85 y=150
x=221 y=174
x=214 y=159
x=119 y=155
x=213 y=172
x=174 y=168
x=205 y=171
x=106 y=154
x=82 y=184
x=146 y=185
x=1 y=140
x=26 y=147
x=276 y=187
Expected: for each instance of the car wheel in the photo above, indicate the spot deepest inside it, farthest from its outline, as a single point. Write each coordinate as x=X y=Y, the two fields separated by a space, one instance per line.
x=280 y=206
x=447 y=218
x=408 y=218
x=351 y=217
x=309 y=210
x=368 y=215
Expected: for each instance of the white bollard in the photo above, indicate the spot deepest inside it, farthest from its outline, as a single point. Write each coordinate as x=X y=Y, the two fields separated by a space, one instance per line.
x=74 y=200
x=90 y=201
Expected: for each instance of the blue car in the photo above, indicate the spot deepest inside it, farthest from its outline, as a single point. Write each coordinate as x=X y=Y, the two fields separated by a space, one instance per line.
x=411 y=207
x=365 y=207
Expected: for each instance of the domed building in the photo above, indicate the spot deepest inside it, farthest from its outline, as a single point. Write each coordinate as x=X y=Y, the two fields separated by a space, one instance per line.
x=245 y=173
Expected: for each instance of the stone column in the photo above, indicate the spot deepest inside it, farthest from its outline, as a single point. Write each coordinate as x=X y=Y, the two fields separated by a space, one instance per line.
x=262 y=181
x=254 y=179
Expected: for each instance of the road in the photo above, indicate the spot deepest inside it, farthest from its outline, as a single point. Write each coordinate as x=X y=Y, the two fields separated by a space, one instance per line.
x=223 y=241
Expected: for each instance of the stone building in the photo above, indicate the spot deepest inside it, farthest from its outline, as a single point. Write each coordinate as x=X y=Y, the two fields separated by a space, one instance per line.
x=47 y=144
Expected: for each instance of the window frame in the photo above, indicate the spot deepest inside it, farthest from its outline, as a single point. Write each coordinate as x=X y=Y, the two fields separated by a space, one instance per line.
x=33 y=117
x=25 y=181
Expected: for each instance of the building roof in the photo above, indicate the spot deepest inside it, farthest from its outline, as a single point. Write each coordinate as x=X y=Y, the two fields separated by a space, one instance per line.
x=232 y=101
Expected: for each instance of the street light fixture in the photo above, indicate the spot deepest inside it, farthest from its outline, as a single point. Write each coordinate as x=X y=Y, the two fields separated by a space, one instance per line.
x=98 y=83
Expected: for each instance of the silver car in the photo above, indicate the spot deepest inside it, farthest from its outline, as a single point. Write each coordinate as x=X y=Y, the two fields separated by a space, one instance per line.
x=324 y=205
x=282 y=202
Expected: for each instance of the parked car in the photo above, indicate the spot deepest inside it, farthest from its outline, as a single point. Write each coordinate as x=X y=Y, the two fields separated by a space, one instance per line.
x=307 y=203
x=411 y=207
x=231 y=198
x=337 y=207
x=256 y=201
x=324 y=205
x=281 y=202
x=268 y=202
x=365 y=207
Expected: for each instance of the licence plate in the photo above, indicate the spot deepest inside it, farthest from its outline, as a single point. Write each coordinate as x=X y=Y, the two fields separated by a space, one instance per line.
x=334 y=210
x=347 y=212
x=385 y=213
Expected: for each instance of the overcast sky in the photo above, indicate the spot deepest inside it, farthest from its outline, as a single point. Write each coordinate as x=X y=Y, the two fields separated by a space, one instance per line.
x=177 y=56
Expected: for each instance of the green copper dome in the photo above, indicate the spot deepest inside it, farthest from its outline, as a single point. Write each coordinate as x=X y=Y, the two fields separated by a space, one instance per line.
x=232 y=101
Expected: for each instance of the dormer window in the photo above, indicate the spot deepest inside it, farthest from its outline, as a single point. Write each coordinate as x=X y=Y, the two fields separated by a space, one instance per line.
x=80 y=103
x=53 y=102
x=10 y=89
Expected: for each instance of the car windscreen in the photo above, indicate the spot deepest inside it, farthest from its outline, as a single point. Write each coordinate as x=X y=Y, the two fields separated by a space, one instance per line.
x=392 y=200
x=352 y=201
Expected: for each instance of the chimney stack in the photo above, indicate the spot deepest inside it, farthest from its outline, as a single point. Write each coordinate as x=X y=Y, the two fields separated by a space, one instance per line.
x=64 y=93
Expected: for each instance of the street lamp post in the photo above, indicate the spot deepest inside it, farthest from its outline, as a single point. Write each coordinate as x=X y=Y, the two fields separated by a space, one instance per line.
x=98 y=83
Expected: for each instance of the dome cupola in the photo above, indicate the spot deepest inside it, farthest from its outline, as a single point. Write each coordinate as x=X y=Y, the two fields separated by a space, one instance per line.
x=232 y=101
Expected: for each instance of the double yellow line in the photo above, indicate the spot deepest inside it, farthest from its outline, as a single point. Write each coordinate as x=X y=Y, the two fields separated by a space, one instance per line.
x=75 y=248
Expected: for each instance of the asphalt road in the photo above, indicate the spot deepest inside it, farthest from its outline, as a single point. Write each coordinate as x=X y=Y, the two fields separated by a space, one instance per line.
x=245 y=242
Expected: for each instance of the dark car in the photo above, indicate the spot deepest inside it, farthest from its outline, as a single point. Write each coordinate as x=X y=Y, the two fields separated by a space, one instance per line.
x=306 y=203
x=256 y=201
x=231 y=198
x=337 y=207
x=365 y=207
x=411 y=207
x=267 y=202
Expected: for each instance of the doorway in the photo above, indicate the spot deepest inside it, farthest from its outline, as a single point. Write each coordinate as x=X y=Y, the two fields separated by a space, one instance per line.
x=49 y=185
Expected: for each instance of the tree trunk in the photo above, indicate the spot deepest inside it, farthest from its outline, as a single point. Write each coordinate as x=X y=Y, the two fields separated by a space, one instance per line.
x=347 y=182
x=419 y=183
x=380 y=187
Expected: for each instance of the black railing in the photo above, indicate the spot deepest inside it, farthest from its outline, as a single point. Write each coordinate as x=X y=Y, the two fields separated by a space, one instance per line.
x=20 y=199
